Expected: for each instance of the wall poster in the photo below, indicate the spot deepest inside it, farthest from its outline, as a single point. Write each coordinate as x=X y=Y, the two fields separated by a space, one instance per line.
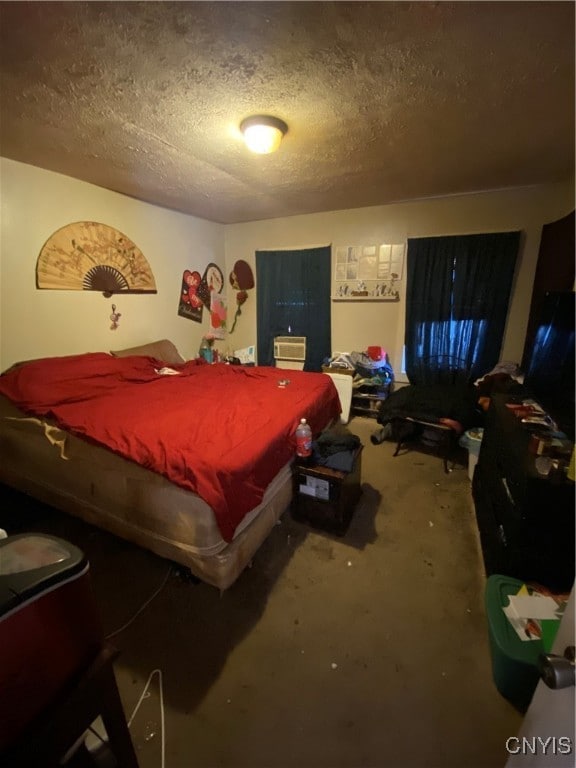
x=368 y=272
x=190 y=305
x=196 y=293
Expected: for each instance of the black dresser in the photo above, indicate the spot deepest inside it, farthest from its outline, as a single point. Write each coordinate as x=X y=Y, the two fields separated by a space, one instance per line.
x=526 y=521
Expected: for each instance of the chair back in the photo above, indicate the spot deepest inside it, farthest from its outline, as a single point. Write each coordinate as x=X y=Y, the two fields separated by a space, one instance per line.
x=440 y=369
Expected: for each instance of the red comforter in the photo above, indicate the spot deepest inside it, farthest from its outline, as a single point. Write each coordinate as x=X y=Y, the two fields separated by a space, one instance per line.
x=218 y=430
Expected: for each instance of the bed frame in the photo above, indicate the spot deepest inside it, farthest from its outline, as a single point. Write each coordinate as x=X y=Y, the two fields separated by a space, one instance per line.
x=129 y=501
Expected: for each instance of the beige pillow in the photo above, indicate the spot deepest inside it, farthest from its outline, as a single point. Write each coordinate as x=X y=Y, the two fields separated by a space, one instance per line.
x=162 y=350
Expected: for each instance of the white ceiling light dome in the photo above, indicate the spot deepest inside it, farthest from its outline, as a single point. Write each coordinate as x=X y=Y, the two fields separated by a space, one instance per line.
x=263 y=133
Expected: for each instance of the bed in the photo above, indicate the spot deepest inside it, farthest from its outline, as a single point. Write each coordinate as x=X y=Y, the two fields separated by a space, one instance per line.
x=190 y=460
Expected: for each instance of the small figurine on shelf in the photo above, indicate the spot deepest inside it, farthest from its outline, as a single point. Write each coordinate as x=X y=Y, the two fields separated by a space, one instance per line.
x=361 y=289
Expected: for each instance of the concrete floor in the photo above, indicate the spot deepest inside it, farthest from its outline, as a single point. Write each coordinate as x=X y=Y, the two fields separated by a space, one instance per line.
x=369 y=651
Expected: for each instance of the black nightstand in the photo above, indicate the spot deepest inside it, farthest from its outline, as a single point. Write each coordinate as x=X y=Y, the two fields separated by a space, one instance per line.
x=325 y=498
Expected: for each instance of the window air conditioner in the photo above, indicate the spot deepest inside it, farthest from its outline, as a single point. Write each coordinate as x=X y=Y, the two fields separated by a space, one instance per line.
x=290 y=348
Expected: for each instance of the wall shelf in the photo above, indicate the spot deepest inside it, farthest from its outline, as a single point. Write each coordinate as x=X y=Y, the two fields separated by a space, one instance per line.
x=366 y=298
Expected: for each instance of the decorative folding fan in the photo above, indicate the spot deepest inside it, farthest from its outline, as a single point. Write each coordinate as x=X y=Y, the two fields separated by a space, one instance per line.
x=88 y=256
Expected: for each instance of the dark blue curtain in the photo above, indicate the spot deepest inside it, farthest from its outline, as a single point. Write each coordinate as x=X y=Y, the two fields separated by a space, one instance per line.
x=457 y=296
x=294 y=299
x=550 y=373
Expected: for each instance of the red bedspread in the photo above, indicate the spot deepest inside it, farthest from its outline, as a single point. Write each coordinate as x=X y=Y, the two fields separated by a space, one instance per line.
x=218 y=430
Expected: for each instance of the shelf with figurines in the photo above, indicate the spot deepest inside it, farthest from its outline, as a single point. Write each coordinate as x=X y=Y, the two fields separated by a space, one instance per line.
x=372 y=290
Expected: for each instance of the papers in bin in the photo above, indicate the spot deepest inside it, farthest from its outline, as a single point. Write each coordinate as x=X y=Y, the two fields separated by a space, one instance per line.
x=526 y=612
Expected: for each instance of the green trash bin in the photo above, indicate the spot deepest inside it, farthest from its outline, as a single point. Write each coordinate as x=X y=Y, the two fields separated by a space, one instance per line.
x=514 y=661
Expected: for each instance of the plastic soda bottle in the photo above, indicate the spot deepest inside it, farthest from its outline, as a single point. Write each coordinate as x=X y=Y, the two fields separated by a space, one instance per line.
x=303 y=439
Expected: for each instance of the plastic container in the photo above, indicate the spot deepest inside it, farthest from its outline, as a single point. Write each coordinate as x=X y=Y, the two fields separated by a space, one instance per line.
x=376 y=353
x=471 y=440
x=303 y=439
x=514 y=662
x=49 y=627
x=206 y=351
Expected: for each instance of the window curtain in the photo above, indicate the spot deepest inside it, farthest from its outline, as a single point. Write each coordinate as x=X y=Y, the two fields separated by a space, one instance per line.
x=294 y=299
x=551 y=368
x=457 y=296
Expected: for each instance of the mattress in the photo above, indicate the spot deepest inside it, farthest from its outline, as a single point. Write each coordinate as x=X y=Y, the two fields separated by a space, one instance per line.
x=130 y=501
x=193 y=465
x=220 y=431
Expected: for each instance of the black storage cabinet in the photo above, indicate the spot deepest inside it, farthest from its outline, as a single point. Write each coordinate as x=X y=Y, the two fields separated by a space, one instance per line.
x=526 y=522
x=325 y=498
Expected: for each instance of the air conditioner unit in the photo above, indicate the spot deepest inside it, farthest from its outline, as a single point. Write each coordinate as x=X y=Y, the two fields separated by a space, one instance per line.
x=290 y=348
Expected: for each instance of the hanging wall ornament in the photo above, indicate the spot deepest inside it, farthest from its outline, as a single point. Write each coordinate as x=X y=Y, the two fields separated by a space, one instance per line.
x=212 y=280
x=190 y=305
x=217 y=315
x=242 y=280
x=115 y=318
x=88 y=256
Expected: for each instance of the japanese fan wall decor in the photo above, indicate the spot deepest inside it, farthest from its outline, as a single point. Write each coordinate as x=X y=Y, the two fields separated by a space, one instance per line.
x=88 y=256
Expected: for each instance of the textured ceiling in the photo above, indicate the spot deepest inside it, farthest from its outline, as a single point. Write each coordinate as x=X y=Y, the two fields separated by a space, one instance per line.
x=385 y=101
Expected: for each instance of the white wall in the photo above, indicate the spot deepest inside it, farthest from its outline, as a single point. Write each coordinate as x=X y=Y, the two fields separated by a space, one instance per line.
x=35 y=203
x=35 y=323
x=357 y=325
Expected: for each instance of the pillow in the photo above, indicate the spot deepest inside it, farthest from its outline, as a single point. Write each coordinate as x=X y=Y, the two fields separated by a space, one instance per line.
x=162 y=350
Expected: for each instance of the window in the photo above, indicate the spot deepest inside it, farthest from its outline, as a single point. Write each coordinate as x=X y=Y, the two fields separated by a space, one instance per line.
x=457 y=297
x=294 y=299
x=451 y=336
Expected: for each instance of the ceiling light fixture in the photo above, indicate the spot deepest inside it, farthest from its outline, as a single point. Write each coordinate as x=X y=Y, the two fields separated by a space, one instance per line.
x=263 y=133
